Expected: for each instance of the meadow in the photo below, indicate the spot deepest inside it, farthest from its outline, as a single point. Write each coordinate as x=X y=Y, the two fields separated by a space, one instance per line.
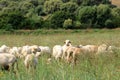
x=102 y=67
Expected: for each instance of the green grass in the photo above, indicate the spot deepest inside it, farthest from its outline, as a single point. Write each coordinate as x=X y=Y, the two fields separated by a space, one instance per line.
x=103 y=67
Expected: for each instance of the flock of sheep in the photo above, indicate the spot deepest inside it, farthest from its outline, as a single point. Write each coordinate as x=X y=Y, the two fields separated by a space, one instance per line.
x=30 y=54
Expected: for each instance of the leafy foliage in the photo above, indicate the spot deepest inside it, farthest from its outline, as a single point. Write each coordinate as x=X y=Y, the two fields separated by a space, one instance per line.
x=33 y=14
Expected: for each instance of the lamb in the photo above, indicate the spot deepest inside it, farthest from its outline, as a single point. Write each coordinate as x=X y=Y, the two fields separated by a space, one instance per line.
x=57 y=51
x=7 y=60
x=31 y=61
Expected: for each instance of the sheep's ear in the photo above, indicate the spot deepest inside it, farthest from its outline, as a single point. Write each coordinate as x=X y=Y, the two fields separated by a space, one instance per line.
x=70 y=42
x=64 y=41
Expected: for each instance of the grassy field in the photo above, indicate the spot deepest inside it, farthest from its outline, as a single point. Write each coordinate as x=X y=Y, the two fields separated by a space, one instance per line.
x=103 y=67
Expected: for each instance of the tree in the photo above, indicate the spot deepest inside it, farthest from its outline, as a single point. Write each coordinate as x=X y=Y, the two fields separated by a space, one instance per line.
x=103 y=13
x=115 y=12
x=52 y=6
x=69 y=7
x=14 y=19
x=87 y=15
x=68 y=24
x=58 y=18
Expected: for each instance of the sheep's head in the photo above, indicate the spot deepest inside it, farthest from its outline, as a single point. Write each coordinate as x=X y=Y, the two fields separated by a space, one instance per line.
x=67 y=42
x=35 y=49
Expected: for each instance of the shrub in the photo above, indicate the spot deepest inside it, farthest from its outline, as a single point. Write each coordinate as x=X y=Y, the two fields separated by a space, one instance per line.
x=58 y=18
x=109 y=24
x=8 y=27
x=68 y=24
x=77 y=24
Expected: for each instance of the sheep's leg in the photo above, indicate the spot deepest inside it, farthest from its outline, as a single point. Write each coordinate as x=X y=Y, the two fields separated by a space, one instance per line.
x=63 y=56
x=68 y=57
x=74 y=59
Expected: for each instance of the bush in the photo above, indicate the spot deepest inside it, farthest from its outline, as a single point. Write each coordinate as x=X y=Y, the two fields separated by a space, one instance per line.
x=58 y=18
x=103 y=14
x=8 y=27
x=109 y=24
x=77 y=24
x=69 y=7
x=68 y=24
x=87 y=15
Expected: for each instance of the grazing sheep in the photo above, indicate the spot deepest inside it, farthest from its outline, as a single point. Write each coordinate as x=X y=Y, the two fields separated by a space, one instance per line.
x=106 y=49
x=65 y=47
x=4 y=49
x=30 y=49
x=16 y=51
x=30 y=61
x=103 y=48
x=25 y=50
x=7 y=60
x=89 y=48
x=57 y=51
x=74 y=52
x=45 y=50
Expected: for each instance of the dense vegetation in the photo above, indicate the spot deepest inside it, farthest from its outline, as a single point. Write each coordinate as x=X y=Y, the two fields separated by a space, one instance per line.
x=55 y=14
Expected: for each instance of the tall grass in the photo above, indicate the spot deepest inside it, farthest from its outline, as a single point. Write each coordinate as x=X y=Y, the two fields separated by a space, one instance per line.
x=102 y=67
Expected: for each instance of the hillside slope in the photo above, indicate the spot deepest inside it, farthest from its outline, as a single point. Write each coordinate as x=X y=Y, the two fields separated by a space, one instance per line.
x=116 y=2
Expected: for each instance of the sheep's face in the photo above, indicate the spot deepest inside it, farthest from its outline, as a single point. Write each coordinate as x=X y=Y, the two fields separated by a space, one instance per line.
x=67 y=42
x=104 y=46
x=35 y=49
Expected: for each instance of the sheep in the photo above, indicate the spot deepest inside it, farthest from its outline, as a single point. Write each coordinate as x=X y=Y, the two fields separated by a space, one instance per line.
x=25 y=50
x=89 y=48
x=65 y=47
x=74 y=52
x=30 y=61
x=103 y=48
x=16 y=51
x=29 y=49
x=4 y=49
x=57 y=51
x=45 y=50
x=7 y=60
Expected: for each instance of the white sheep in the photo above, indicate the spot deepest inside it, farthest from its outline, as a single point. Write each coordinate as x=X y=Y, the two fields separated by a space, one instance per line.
x=103 y=48
x=30 y=61
x=57 y=51
x=106 y=49
x=30 y=49
x=89 y=48
x=16 y=51
x=7 y=59
x=4 y=49
x=45 y=50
